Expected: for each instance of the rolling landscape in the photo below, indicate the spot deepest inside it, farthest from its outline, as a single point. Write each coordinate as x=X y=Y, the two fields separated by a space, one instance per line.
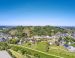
x=38 y=42
x=37 y=28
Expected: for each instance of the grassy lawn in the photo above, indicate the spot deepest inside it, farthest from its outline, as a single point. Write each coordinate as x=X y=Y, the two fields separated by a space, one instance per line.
x=19 y=55
x=54 y=50
x=33 y=52
x=59 y=50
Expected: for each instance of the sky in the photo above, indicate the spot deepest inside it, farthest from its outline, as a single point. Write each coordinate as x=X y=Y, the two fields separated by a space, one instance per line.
x=37 y=12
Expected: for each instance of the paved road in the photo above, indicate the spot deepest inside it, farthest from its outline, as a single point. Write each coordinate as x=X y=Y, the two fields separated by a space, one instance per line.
x=4 y=54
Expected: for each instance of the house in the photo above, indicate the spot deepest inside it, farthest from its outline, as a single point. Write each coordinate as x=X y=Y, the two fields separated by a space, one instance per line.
x=66 y=46
x=2 y=39
x=52 y=41
x=71 y=49
x=62 y=42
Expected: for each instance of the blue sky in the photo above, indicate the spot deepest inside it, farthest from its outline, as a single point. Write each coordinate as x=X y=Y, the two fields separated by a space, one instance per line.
x=37 y=12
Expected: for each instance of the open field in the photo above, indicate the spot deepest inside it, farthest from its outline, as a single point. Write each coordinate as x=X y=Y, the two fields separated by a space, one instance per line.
x=52 y=53
x=53 y=49
x=33 y=52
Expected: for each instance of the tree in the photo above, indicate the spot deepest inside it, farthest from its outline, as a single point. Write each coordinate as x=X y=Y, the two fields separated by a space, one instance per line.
x=47 y=47
x=24 y=37
x=13 y=41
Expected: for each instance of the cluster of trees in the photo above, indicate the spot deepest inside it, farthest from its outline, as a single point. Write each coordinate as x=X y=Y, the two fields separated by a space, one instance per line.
x=35 y=30
x=13 y=41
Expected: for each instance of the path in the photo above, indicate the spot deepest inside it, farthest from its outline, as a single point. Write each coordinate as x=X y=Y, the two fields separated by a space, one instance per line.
x=4 y=54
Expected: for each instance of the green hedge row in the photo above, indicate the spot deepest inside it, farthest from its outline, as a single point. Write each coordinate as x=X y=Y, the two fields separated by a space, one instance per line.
x=36 y=53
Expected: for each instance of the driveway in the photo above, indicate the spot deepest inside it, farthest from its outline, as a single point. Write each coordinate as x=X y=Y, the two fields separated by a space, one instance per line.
x=4 y=54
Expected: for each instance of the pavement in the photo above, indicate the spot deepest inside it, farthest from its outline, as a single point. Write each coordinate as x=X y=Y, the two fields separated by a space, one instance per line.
x=4 y=54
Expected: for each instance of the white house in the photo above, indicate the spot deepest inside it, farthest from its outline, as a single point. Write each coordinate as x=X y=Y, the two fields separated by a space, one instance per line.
x=71 y=49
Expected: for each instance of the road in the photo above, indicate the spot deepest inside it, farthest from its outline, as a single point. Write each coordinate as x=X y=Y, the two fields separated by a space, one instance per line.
x=4 y=54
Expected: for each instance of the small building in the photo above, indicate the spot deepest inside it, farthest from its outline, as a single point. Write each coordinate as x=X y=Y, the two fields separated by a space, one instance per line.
x=71 y=49
x=2 y=39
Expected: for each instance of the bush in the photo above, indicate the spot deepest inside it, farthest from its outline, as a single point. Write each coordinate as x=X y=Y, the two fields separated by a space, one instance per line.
x=4 y=46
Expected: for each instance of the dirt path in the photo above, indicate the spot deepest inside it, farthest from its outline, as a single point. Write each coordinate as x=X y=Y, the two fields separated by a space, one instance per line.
x=4 y=54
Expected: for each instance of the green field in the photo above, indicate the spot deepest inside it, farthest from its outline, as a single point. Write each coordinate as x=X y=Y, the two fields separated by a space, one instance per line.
x=53 y=49
x=33 y=52
x=54 y=52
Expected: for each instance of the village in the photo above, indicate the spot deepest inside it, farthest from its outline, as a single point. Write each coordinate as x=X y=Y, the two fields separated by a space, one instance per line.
x=57 y=39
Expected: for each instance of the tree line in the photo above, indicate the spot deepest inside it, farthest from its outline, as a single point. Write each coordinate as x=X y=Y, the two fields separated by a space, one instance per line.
x=35 y=30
